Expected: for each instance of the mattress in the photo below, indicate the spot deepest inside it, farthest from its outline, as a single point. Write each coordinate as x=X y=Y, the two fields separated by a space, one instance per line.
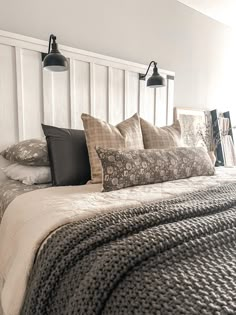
x=10 y=189
x=32 y=217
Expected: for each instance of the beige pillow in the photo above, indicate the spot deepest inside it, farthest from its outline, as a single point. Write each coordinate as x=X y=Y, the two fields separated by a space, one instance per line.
x=161 y=138
x=126 y=134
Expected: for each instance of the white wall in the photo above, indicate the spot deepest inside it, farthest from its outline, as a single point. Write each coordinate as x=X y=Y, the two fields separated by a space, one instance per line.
x=179 y=38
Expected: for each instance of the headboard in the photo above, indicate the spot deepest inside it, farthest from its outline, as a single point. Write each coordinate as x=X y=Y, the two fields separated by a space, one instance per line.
x=103 y=86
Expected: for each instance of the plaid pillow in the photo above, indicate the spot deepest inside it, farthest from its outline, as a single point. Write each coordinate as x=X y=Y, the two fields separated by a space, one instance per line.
x=160 y=138
x=126 y=134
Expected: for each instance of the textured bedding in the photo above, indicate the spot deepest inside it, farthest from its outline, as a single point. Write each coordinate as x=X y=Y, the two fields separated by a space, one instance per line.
x=10 y=189
x=175 y=256
x=32 y=217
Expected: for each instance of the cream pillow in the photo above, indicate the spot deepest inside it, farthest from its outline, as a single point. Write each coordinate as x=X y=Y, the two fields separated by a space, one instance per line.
x=161 y=138
x=28 y=175
x=126 y=134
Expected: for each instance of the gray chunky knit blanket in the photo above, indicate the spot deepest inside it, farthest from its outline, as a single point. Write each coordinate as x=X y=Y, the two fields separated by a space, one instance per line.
x=176 y=256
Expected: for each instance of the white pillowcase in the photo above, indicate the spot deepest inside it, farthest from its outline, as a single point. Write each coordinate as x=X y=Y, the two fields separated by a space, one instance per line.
x=28 y=175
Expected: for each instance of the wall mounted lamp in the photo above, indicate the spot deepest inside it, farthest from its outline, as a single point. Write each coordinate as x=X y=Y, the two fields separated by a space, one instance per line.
x=156 y=80
x=54 y=60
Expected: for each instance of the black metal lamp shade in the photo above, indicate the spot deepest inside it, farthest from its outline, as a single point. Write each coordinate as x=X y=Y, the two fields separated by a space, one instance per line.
x=54 y=60
x=156 y=80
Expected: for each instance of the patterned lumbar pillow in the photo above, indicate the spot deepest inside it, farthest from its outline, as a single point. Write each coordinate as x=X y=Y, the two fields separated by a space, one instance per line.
x=126 y=134
x=31 y=152
x=160 y=138
x=125 y=168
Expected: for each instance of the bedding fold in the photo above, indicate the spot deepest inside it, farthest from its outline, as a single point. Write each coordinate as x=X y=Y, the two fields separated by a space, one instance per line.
x=170 y=257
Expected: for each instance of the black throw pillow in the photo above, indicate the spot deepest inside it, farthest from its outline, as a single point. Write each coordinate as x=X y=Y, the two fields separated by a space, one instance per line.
x=68 y=156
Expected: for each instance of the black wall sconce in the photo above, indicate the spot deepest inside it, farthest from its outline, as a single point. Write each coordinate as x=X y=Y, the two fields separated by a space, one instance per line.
x=54 y=60
x=156 y=80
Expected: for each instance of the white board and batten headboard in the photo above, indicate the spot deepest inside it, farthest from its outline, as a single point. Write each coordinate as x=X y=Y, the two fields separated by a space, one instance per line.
x=105 y=87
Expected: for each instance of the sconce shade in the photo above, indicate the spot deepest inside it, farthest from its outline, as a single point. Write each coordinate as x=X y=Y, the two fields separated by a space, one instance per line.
x=54 y=60
x=156 y=80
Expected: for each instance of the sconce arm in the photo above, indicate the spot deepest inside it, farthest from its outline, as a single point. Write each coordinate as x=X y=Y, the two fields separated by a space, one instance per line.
x=143 y=76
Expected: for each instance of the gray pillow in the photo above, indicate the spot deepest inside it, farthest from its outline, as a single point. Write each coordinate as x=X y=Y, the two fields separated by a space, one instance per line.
x=31 y=152
x=125 y=168
x=68 y=156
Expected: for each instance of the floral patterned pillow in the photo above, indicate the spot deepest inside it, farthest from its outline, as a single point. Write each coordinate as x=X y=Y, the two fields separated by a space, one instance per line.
x=31 y=152
x=125 y=168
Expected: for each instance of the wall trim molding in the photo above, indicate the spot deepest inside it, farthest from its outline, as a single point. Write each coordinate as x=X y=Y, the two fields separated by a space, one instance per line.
x=102 y=86
x=39 y=45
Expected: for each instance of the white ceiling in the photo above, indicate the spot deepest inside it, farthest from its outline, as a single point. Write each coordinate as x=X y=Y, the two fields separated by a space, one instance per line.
x=223 y=11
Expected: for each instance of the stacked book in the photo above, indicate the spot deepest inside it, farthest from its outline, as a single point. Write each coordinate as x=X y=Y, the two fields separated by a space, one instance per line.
x=227 y=142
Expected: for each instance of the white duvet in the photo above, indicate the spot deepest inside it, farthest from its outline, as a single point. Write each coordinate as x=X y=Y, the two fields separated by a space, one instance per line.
x=31 y=217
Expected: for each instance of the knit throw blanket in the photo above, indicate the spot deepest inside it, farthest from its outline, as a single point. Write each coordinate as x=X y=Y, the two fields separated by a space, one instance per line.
x=176 y=256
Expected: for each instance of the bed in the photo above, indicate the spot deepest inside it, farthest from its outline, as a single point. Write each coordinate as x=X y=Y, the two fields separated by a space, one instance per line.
x=45 y=213
x=159 y=248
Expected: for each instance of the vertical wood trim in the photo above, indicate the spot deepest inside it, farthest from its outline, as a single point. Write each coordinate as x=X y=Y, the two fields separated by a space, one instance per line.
x=48 y=95
x=110 y=93
x=126 y=89
x=69 y=95
x=42 y=99
x=72 y=94
x=44 y=91
x=53 y=99
x=142 y=96
x=45 y=117
x=20 y=94
x=139 y=97
x=170 y=100
x=155 y=108
x=92 y=89
x=167 y=100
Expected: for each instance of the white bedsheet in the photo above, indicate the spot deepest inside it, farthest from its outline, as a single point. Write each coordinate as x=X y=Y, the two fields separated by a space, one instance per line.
x=31 y=217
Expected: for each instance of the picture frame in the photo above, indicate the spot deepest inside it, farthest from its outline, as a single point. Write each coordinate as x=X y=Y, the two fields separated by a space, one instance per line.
x=194 y=123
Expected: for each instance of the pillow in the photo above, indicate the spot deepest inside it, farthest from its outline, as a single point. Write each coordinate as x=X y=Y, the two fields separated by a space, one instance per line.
x=28 y=175
x=126 y=134
x=140 y=167
x=68 y=156
x=3 y=163
x=160 y=138
x=31 y=152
